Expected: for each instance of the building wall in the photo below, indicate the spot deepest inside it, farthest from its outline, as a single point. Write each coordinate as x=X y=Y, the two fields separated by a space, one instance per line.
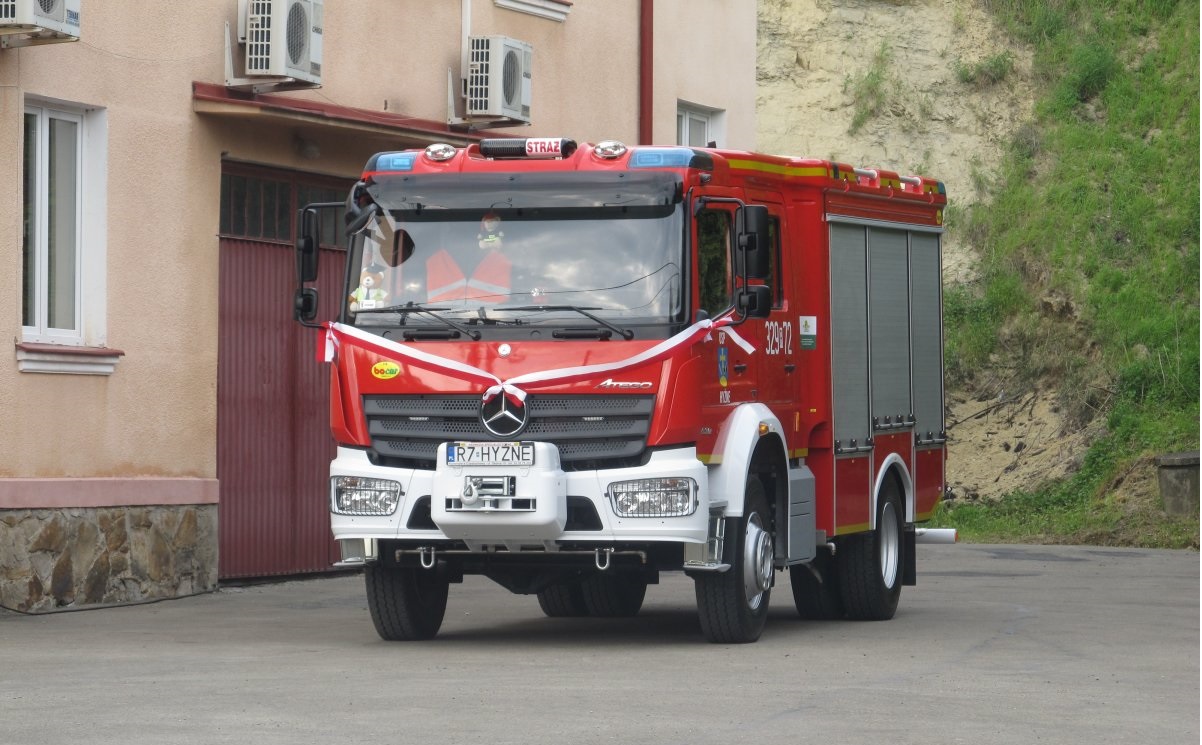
x=705 y=55
x=146 y=434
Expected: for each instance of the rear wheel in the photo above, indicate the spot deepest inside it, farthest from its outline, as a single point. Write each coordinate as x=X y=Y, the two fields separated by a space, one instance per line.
x=610 y=594
x=733 y=605
x=816 y=589
x=563 y=601
x=870 y=565
x=406 y=603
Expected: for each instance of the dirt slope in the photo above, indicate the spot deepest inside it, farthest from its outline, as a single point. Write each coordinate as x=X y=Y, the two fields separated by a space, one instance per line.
x=814 y=58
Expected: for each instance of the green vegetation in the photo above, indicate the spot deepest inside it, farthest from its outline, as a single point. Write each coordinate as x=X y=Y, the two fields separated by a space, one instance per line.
x=1090 y=257
x=869 y=92
x=986 y=72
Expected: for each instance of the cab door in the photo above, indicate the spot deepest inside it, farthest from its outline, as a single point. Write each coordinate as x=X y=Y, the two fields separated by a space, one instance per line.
x=728 y=375
x=731 y=375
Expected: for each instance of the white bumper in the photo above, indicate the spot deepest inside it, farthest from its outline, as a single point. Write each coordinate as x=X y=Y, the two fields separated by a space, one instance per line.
x=534 y=514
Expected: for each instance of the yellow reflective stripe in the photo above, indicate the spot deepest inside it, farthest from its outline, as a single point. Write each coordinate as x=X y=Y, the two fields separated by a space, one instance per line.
x=781 y=170
x=856 y=528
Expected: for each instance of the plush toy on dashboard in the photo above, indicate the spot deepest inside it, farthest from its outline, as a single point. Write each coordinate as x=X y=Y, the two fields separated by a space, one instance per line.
x=490 y=234
x=370 y=293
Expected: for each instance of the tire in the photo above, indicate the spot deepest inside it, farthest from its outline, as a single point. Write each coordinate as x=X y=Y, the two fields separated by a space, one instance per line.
x=870 y=565
x=816 y=589
x=563 y=601
x=406 y=603
x=612 y=595
x=733 y=605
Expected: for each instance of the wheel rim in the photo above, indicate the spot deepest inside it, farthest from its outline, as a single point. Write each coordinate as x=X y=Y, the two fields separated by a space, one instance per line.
x=888 y=541
x=757 y=561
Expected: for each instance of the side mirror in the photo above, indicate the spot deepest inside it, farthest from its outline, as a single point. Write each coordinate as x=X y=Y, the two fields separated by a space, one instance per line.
x=360 y=219
x=352 y=203
x=304 y=304
x=308 y=247
x=308 y=231
x=755 y=301
x=754 y=247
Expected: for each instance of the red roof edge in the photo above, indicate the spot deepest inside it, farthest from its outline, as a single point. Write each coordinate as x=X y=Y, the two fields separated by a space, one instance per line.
x=333 y=112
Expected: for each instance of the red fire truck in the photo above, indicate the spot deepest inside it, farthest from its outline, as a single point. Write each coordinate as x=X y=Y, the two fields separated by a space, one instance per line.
x=570 y=369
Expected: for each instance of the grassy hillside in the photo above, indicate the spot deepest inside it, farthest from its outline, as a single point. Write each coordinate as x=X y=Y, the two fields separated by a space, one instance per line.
x=1090 y=261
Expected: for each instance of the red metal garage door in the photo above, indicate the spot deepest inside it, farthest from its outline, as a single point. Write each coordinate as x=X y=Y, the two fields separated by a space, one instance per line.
x=273 y=438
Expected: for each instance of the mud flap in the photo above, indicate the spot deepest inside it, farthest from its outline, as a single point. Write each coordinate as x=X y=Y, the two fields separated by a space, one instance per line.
x=909 y=559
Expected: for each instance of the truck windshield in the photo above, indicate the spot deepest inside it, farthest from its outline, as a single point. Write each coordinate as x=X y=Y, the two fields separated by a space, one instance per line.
x=522 y=252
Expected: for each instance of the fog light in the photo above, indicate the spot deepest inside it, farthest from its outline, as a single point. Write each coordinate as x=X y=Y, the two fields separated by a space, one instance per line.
x=355 y=495
x=664 y=497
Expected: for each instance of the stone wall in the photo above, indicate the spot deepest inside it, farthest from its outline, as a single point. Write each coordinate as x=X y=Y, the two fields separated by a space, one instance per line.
x=52 y=559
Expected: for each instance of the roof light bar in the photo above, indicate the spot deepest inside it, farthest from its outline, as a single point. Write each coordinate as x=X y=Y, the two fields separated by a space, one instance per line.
x=529 y=147
x=393 y=162
x=663 y=157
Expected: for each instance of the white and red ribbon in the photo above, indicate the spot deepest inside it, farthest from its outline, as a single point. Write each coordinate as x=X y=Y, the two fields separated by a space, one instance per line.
x=336 y=332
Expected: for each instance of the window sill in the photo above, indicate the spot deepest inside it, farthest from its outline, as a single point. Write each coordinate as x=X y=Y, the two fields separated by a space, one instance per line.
x=556 y=10
x=33 y=357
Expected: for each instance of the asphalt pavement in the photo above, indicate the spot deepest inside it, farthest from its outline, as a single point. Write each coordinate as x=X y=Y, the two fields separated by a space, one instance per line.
x=996 y=644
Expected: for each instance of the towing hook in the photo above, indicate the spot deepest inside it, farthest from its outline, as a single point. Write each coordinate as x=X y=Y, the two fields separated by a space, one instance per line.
x=471 y=489
x=601 y=558
x=425 y=555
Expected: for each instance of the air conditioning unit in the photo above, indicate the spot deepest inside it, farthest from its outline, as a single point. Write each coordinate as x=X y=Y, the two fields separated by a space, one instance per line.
x=40 y=20
x=283 y=38
x=498 y=77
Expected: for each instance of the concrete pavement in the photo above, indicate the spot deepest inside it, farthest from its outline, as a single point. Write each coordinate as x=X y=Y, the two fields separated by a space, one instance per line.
x=996 y=644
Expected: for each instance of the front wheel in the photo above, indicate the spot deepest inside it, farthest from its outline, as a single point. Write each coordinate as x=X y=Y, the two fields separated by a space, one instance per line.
x=870 y=565
x=733 y=605
x=406 y=603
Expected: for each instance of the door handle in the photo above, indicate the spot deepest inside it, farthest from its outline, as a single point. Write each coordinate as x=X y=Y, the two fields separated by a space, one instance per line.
x=740 y=367
x=790 y=367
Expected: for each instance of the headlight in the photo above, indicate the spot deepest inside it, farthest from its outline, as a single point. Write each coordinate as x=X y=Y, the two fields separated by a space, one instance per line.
x=666 y=497
x=354 y=495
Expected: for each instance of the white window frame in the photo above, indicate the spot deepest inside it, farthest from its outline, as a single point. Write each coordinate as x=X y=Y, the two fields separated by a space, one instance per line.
x=89 y=332
x=555 y=10
x=714 y=122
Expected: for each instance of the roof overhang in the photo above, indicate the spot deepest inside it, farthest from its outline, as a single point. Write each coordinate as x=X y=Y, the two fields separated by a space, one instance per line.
x=387 y=130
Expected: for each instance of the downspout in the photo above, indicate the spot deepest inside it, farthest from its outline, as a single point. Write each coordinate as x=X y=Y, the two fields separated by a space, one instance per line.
x=465 y=31
x=646 y=70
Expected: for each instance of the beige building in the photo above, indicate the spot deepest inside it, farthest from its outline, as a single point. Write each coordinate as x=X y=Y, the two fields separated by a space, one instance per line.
x=139 y=152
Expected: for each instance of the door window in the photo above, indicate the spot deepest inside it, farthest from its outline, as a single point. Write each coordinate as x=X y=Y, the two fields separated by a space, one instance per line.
x=714 y=265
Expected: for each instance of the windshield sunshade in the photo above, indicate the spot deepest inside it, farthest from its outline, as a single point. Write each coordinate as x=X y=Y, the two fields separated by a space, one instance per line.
x=650 y=194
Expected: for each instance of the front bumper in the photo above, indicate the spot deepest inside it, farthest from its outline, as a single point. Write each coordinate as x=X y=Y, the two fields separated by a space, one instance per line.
x=519 y=507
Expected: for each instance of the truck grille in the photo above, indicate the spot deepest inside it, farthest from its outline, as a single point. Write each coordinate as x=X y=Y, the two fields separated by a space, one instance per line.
x=590 y=431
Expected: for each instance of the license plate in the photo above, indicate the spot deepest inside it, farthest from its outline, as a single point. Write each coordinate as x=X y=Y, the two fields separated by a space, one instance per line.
x=490 y=453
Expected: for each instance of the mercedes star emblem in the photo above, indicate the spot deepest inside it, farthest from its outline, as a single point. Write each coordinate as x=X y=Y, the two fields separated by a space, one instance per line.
x=502 y=417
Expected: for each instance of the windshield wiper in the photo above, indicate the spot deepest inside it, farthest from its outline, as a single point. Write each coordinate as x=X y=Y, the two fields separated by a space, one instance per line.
x=594 y=332
x=483 y=319
x=626 y=334
x=428 y=310
x=413 y=334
